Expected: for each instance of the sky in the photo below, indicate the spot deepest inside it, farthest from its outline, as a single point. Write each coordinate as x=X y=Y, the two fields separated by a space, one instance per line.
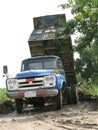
x=16 y=25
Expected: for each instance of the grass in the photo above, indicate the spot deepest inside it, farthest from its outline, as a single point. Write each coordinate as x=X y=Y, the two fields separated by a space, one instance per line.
x=3 y=96
x=92 y=89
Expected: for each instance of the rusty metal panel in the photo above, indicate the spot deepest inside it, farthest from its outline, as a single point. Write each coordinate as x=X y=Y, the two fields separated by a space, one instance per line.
x=36 y=48
x=48 y=21
x=44 y=34
x=45 y=27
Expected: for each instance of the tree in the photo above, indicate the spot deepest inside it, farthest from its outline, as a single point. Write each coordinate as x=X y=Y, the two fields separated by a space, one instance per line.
x=85 y=22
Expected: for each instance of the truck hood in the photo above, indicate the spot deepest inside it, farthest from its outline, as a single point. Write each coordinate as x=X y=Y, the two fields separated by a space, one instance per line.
x=34 y=73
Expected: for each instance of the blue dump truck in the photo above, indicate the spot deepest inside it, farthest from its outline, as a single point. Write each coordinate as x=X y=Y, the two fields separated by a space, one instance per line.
x=48 y=76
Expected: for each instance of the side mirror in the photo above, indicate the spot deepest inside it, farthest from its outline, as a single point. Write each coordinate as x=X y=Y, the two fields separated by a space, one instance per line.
x=5 y=69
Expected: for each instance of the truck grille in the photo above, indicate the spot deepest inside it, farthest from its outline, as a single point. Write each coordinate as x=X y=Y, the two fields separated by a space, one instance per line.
x=30 y=83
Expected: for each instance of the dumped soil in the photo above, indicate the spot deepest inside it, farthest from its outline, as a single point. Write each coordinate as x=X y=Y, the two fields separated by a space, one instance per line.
x=85 y=96
x=7 y=107
x=82 y=116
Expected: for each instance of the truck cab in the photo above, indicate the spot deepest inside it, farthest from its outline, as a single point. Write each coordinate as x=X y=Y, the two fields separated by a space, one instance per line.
x=41 y=78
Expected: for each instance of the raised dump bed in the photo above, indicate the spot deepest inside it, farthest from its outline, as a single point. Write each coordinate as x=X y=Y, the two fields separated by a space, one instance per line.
x=42 y=42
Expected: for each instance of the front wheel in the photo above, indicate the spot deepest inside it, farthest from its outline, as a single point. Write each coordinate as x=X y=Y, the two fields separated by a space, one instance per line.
x=19 y=105
x=59 y=100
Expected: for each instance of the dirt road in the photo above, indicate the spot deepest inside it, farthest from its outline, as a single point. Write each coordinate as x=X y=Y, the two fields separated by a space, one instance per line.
x=72 y=117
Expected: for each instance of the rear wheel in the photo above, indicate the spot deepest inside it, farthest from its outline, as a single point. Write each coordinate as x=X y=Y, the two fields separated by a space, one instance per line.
x=59 y=100
x=68 y=95
x=19 y=105
x=74 y=95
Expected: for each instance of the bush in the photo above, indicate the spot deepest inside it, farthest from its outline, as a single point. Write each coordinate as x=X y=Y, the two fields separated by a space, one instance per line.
x=89 y=85
x=3 y=96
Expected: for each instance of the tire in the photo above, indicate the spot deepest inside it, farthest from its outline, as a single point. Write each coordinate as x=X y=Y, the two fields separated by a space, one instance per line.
x=59 y=100
x=74 y=95
x=68 y=95
x=19 y=105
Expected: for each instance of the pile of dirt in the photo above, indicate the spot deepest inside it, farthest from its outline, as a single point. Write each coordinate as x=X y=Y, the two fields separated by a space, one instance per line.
x=85 y=96
x=7 y=107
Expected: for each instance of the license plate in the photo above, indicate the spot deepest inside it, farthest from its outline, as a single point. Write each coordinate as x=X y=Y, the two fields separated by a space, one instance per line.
x=30 y=94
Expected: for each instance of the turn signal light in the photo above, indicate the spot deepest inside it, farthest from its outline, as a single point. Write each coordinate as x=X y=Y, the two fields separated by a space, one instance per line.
x=56 y=71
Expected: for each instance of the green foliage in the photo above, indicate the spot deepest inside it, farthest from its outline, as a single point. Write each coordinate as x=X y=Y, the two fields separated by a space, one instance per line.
x=88 y=86
x=92 y=89
x=79 y=78
x=85 y=22
x=3 y=96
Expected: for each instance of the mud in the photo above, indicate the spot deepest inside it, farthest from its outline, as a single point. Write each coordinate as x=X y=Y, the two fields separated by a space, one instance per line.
x=83 y=116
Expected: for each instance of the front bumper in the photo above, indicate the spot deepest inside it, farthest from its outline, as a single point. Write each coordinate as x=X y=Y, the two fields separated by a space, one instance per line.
x=33 y=93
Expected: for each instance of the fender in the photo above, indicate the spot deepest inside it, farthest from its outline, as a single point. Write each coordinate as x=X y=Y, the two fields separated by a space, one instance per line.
x=60 y=79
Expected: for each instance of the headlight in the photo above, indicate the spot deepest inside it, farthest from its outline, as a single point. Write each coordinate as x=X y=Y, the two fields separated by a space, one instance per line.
x=12 y=84
x=49 y=81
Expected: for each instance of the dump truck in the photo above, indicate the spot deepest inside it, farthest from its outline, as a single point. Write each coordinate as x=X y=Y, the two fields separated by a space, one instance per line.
x=48 y=76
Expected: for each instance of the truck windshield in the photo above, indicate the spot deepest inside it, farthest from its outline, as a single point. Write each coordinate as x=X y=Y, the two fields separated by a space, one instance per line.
x=39 y=63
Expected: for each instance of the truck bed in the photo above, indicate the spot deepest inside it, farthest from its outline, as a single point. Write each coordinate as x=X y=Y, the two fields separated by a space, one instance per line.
x=42 y=42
